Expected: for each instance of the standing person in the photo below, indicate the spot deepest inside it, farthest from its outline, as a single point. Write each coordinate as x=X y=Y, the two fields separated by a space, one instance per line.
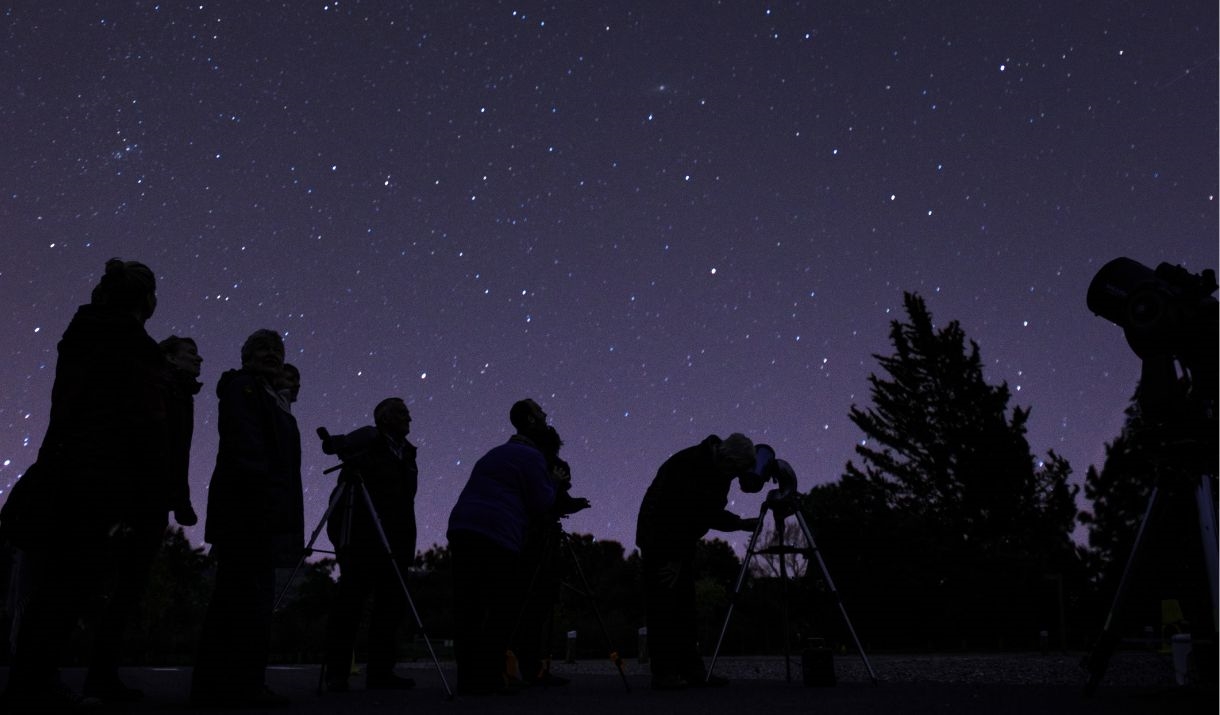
x=182 y=354
x=541 y=563
x=104 y=443
x=507 y=487
x=133 y=548
x=685 y=500
x=384 y=462
x=254 y=524
x=288 y=385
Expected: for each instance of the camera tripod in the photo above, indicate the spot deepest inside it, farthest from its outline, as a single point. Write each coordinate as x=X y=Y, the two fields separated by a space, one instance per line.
x=561 y=539
x=1156 y=516
x=351 y=487
x=782 y=504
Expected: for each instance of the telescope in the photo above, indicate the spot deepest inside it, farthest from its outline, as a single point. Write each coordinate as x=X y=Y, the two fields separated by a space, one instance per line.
x=1168 y=311
x=769 y=469
x=350 y=446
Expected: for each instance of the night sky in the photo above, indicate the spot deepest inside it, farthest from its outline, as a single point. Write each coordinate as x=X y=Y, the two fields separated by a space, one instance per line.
x=661 y=220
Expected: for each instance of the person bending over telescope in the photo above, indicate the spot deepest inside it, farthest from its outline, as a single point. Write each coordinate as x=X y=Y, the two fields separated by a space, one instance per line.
x=685 y=500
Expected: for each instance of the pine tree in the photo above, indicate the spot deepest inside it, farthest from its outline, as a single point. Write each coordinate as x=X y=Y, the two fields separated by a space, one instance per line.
x=979 y=522
x=1118 y=494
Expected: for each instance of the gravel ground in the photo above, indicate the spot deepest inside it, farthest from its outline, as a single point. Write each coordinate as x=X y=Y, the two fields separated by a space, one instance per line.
x=1136 y=669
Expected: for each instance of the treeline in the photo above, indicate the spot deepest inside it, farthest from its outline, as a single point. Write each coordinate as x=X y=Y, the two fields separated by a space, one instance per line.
x=946 y=533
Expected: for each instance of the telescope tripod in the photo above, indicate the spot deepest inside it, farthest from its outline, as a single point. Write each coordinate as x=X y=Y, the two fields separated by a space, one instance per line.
x=1156 y=516
x=781 y=509
x=561 y=539
x=351 y=488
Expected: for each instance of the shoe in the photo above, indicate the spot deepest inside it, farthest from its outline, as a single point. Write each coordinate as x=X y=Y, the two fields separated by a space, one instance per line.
x=337 y=686
x=109 y=689
x=669 y=682
x=389 y=682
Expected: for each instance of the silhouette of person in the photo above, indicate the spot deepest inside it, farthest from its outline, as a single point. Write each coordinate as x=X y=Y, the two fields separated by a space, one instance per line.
x=103 y=446
x=541 y=564
x=254 y=524
x=288 y=385
x=386 y=467
x=133 y=547
x=685 y=500
x=507 y=487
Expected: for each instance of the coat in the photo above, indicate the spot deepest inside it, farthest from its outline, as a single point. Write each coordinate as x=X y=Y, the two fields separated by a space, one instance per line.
x=254 y=500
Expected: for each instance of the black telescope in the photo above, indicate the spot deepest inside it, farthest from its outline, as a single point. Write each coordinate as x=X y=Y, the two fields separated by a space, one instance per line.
x=1164 y=312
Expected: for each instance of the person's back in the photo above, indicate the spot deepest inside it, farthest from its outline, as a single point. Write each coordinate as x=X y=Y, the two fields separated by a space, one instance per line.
x=682 y=499
x=504 y=490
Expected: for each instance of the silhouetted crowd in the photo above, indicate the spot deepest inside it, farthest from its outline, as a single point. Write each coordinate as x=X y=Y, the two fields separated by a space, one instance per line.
x=113 y=467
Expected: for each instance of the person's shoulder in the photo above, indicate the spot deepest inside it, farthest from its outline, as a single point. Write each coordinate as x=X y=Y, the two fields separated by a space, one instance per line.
x=707 y=445
x=515 y=446
x=522 y=451
x=234 y=382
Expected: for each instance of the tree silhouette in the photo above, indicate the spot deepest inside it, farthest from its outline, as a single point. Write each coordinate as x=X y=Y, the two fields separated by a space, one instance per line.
x=971 y=526
x=173 y=604
x=1118 y=494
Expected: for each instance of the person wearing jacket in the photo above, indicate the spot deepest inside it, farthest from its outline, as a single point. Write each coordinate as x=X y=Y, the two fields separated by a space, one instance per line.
x=103 y=449
x=384 y=463
x=134 y=546
x=508 y=487
x=254 y=523
x=685 y=500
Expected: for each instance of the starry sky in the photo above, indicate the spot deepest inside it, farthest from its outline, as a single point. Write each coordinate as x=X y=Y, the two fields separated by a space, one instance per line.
x=661 y=220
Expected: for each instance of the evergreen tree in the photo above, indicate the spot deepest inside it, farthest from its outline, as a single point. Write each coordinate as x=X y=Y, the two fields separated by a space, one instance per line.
x=1118 y=494
x=173 y=604
x=947 y=473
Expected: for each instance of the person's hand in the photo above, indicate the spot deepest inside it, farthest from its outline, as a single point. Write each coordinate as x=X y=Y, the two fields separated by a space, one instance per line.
x=669 y=573
x=186 y=516
x=748 y=524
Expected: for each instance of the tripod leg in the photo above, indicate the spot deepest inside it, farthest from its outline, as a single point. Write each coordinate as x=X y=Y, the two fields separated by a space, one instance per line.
x=1099 y=658
x=584 y=582
x=344 y=492
x=368 y=502
x=1207 y=532
x=741 y=577
x=783 y=596
x=817 y=553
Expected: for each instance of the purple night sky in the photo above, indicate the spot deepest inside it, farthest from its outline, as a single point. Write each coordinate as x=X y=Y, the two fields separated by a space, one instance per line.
x=659 y=219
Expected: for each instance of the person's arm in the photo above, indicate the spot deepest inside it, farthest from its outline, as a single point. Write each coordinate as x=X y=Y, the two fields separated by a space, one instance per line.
x=182 y=420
